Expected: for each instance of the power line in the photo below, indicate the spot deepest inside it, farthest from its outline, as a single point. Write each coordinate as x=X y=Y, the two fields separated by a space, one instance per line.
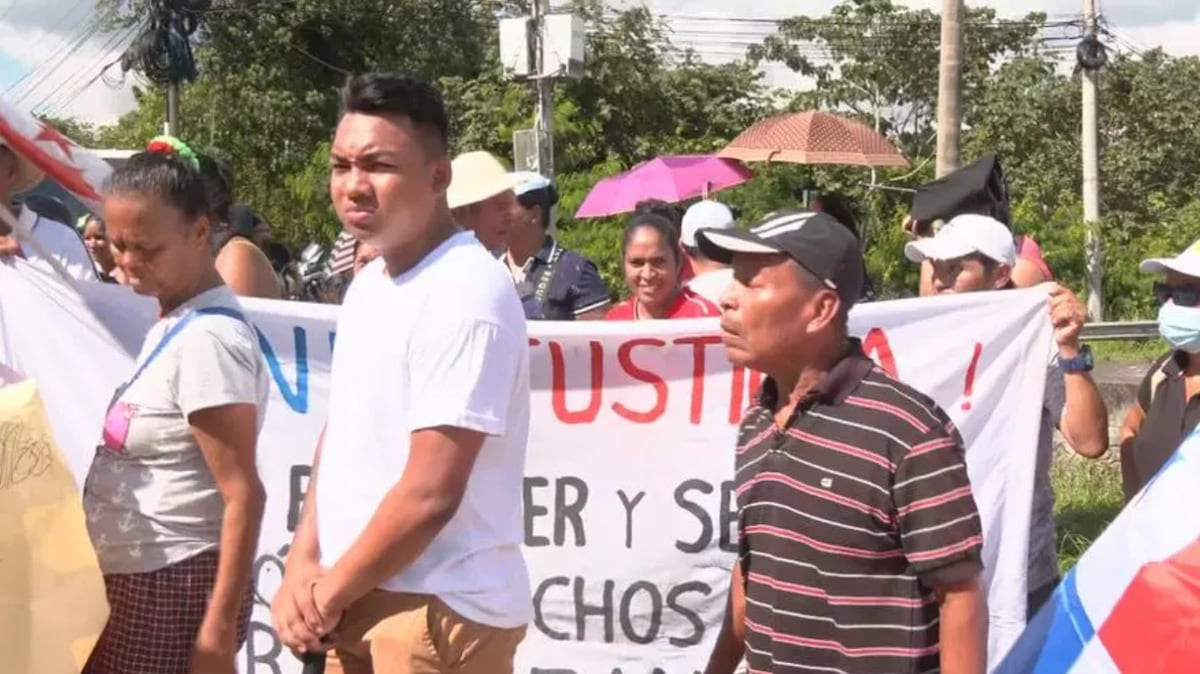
x=55 y=52
x=105 y=52
x=117 y=42
x=4 y=14
x=60 y=59
x=318 y=60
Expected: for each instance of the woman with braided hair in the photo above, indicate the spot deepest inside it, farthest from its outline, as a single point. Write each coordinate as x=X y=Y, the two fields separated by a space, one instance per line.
x=173 y=498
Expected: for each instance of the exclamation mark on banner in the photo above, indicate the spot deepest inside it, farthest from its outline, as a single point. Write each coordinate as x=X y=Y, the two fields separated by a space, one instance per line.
x=971 y=377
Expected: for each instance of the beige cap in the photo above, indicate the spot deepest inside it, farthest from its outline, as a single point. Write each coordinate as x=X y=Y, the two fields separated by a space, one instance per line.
x=477 y=176
x=28 y=176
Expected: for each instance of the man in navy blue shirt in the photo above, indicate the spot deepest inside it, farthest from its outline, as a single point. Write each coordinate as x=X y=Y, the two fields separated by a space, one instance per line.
x=555 y=284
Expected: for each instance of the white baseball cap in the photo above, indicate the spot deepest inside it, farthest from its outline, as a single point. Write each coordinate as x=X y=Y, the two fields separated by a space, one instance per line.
x=964 y=235
x=704 y=215
x=1186 y=263
x=477 y=176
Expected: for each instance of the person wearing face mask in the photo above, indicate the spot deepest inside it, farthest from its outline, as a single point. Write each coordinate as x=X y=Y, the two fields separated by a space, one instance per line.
x=1167 y=408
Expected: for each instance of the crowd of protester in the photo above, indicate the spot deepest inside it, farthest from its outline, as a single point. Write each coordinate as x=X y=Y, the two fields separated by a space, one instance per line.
x=173 y=497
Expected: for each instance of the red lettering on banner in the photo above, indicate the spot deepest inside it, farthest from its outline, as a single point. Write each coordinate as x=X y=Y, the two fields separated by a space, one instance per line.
x=699 y=352
x=625 y=358
x=558 y=367
x=969 y=388
x=736 y=393
x=534 y=341
x=876 y=342
x=738 y=399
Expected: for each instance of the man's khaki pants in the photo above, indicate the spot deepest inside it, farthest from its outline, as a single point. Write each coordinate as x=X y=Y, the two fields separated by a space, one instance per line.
x=393 y=633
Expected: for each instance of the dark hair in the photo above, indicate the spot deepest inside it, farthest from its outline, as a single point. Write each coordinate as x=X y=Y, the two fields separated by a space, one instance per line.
x=659 y=224
x=49 y=207
x=543 y=199
x=838 y=207
x=394 y=94
x=218 y=181
x=669 y=212
x=166 y=176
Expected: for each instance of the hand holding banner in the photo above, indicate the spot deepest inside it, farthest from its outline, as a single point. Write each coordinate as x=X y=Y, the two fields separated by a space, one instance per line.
x=630 y=524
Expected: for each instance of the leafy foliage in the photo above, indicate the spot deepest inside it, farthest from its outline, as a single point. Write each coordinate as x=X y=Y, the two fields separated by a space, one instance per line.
x=270 y=71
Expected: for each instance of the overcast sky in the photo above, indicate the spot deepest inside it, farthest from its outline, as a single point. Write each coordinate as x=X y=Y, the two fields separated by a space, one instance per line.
x=47 y=52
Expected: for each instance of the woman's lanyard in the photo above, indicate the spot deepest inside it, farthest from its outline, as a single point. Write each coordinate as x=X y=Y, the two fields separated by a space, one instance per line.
x=174 y=331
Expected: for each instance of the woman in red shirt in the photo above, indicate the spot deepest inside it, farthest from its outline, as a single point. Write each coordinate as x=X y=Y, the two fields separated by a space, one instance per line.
x=653 y=262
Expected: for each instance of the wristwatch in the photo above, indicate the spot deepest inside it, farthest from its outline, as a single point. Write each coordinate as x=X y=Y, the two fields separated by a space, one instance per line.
x=1080 y=363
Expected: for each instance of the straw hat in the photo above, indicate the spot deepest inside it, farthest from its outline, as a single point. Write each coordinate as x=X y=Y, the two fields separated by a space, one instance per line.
x=477 y=176
x=27 y=175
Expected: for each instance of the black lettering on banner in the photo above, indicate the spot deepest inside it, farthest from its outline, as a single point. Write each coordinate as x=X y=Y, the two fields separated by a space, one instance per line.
x=539 y=618
x=267 y=577
x=572 y=511
x=729 y=517
x=270 y=658
x=699 y=512
x=629 y=504
x=533 y=511
x=583 y=610
x=656 y=607
x=298 y=487
x=618 y=670
x=688 y=614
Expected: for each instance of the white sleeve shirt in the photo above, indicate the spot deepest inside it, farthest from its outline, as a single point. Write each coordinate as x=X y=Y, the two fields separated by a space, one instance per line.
x=60 y=242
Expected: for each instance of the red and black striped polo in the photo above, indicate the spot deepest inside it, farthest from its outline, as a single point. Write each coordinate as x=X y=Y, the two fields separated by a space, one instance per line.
x=849 y=517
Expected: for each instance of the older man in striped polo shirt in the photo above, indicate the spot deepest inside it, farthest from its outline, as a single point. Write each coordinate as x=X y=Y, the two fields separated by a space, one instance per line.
x=859 y=536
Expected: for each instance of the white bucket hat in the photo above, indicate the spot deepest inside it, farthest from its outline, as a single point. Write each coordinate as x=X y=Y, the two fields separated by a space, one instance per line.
x=477 y=176
x=1186 y=263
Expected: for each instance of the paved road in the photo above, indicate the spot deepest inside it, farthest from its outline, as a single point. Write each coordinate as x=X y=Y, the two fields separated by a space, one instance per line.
x=1120 y=372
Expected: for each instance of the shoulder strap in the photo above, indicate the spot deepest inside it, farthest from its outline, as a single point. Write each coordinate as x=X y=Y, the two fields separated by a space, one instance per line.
x=178 y=328
x=1159 y=376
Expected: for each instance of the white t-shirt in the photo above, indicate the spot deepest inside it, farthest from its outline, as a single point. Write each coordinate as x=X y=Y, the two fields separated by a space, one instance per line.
x=443 y=344
x=711 y=285
x=150 y=498
x=61 y=243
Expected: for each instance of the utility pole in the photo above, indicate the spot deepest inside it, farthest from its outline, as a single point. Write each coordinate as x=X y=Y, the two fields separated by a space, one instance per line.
x=1090 y=144
x=949 y=113
x=543 y=127
x=173 y=109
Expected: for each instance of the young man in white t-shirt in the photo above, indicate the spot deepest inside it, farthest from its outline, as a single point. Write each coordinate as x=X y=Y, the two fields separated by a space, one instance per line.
x=410 y=542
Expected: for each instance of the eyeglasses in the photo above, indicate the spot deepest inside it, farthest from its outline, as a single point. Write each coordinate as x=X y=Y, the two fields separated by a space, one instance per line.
x=1182 y=296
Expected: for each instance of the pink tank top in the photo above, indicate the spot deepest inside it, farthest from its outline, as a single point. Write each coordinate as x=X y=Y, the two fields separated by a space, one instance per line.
x=1030 y=251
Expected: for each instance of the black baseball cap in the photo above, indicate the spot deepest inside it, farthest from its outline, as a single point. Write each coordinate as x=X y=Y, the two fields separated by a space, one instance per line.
x=816 y=241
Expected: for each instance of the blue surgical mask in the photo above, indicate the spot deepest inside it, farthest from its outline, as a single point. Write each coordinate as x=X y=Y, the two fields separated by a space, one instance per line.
x=1180 y=326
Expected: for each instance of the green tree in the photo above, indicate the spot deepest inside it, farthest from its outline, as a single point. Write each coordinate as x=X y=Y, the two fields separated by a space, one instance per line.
x=82 y=133
x=872 y=57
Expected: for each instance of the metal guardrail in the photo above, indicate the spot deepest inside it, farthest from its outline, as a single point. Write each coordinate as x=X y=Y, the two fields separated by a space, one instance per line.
x=1133 y=330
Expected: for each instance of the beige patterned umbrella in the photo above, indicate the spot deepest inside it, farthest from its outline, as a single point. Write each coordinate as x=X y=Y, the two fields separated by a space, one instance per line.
x=814 y=138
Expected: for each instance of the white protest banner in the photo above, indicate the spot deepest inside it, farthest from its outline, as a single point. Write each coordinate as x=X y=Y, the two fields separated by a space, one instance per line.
x=629 y=513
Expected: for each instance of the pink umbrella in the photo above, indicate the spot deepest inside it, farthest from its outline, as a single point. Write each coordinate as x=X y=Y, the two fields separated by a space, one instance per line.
x=671 y=179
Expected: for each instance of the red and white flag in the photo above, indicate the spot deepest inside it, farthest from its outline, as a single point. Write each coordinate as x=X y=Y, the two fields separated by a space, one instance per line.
x=77 y=170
